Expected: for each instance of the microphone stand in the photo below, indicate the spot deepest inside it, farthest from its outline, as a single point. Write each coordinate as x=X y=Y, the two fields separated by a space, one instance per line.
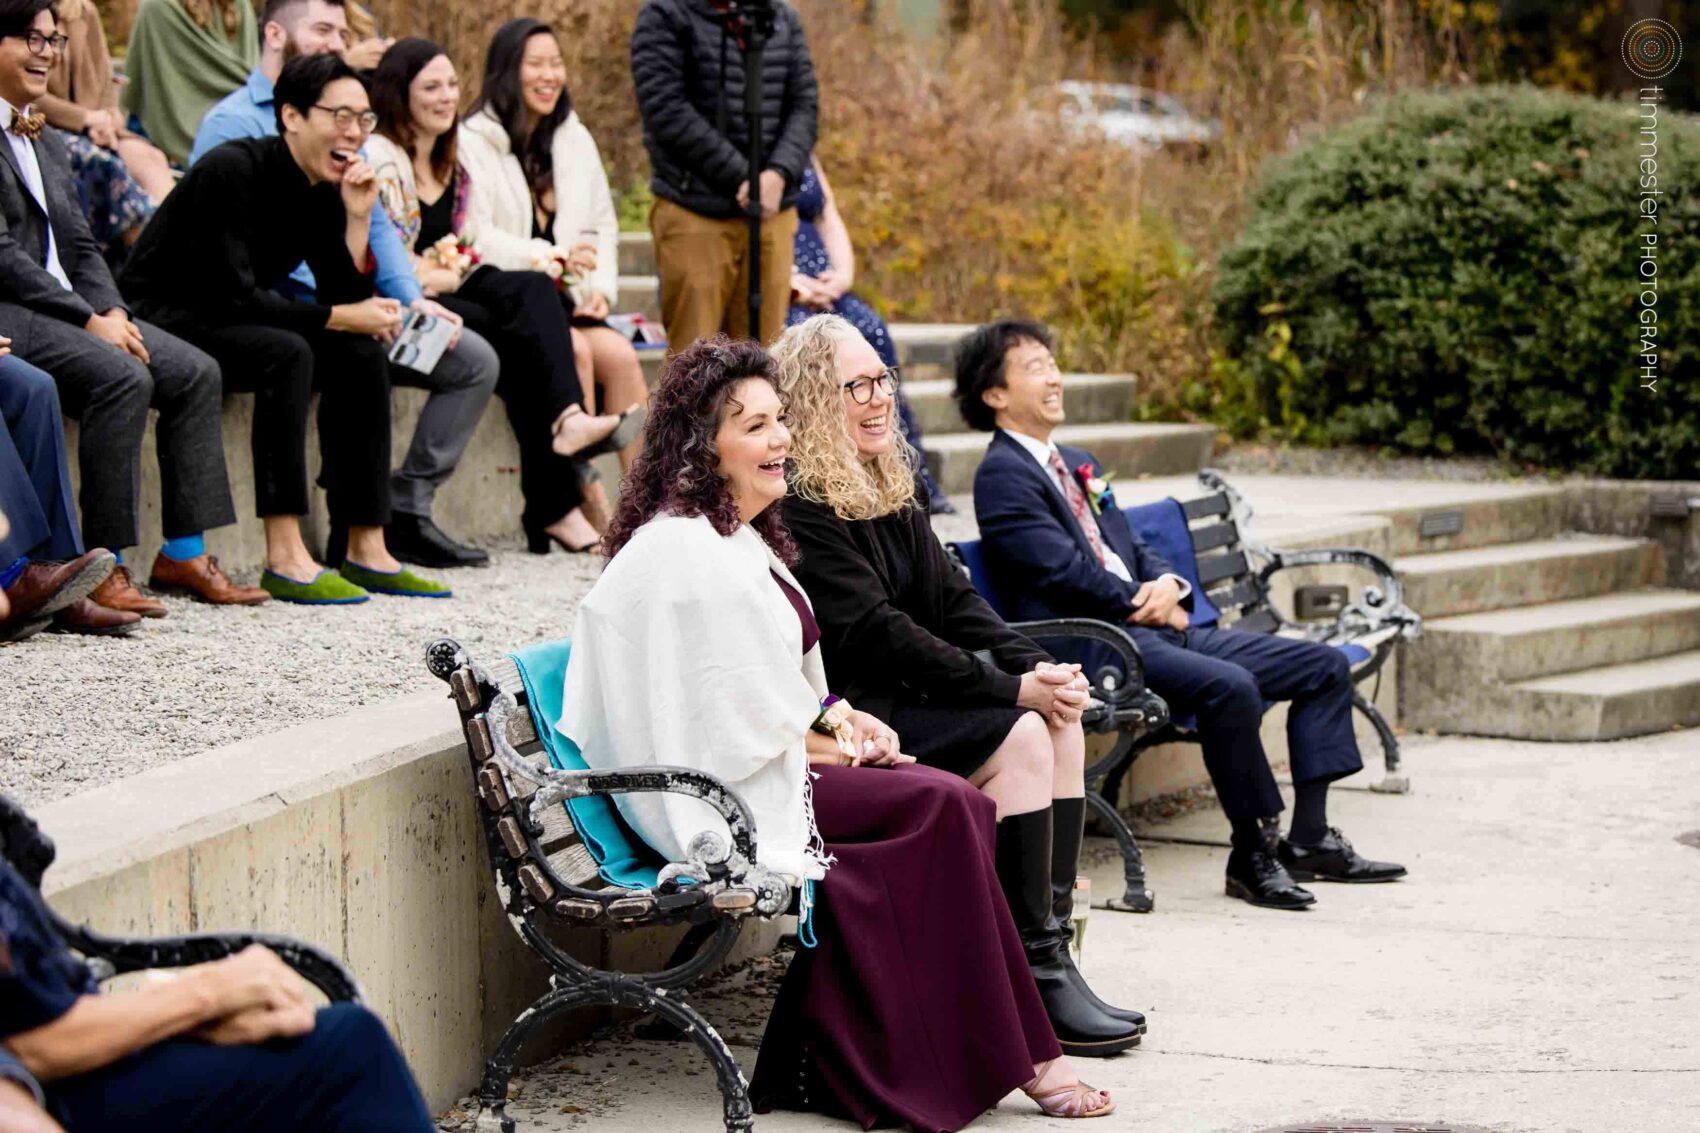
x=751 y=23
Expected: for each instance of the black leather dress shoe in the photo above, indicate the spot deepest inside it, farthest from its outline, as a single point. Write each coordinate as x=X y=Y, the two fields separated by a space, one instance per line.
x=1256 y=876
x=1333 y=859
x=418 y=540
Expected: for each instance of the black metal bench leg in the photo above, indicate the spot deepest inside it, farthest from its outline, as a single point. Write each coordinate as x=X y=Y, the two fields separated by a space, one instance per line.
x=617 y=991
x=1394 y=781
x=1137 y=898
x=734 y=1091
x=656 y=1029
x=493 y=1089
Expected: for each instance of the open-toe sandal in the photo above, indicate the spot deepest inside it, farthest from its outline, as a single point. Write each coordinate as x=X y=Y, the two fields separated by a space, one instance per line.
x=628 y=430
x=1073 y=1102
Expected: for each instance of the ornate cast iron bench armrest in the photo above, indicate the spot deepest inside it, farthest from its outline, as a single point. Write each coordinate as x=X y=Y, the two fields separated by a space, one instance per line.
x=723 y=865
x=1383 y=605
x=1118 y=706
x=109 y=956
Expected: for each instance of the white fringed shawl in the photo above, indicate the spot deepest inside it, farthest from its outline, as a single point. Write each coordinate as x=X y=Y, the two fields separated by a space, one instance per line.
x=686 y=652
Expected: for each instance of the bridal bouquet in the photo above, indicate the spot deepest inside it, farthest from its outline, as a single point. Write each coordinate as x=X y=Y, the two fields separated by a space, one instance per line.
x=452 y=254
x=554 y=265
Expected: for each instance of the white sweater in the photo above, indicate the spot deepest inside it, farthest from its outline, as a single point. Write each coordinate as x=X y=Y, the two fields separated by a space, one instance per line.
x=687 y=653
x=500 y=209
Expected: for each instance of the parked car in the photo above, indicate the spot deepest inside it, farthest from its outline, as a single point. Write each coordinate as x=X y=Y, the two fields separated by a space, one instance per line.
x=1136 y=116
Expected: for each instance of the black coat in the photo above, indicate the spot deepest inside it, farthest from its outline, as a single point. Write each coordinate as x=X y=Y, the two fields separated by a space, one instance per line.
x=234 y=228
x=898 y=620
x=689 y=74
x=24 y=278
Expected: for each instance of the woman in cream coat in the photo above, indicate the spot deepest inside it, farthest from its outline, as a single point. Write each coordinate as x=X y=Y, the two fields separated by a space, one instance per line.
x=540 y=198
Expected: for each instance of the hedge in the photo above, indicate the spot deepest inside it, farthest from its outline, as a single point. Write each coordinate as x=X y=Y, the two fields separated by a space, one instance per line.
x=1464 y=272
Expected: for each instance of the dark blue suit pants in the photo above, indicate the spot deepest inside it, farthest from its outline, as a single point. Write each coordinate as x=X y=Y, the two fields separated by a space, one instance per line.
x=346 y=1076
x=1226 y=679
x=35 y=481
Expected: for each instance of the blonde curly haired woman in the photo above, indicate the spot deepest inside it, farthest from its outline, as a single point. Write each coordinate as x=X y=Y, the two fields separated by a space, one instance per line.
x=900 y=632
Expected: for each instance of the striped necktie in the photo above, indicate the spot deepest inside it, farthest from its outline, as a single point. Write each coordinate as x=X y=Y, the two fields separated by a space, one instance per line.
x=1076 y=496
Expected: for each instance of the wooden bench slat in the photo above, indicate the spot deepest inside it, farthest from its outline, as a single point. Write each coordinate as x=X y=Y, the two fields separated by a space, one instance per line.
x=1258 y=621
x=1215 y=568
x=1206 y=506
x=573 y=863
x=1214 y=535
x=1233 y=597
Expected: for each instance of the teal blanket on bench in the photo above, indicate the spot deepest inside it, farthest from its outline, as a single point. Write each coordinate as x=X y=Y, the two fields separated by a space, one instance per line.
x=623 y=858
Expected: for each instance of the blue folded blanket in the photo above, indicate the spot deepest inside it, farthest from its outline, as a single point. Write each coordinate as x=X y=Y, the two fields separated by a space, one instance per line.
x=624 y=858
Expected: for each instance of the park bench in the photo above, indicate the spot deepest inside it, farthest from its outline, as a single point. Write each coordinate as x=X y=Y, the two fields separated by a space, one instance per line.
x=563 y=858
x=31 y=852
x=1205 y=540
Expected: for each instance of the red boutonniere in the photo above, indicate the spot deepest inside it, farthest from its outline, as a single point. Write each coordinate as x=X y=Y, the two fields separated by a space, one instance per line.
x=1096 y=487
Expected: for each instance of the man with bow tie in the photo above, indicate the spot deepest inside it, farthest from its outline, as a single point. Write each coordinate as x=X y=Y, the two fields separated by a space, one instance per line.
x=1058 y=546
x=61 y=308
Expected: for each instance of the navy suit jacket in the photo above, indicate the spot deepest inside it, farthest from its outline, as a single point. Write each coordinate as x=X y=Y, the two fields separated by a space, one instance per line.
x=1036 y=552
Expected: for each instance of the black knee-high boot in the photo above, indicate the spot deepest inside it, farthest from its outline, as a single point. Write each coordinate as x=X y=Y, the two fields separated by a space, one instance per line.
x=1068 y=824
x=1024 y=871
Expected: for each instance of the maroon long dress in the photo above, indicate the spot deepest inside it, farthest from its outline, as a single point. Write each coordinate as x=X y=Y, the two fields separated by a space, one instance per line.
x=917 y=1006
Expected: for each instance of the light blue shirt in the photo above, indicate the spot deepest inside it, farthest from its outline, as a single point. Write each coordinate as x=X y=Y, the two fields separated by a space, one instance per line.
x=250 y=112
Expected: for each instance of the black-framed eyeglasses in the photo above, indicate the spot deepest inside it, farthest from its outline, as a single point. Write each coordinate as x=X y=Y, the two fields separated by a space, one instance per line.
x=346 y=116
x=861 y=390
x=43 y=44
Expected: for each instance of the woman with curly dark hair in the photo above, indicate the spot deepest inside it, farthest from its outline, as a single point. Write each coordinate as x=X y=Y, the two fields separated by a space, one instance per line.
x=697 y=648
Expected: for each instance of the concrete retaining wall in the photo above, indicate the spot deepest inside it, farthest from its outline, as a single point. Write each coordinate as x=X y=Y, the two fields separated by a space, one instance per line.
x=481 y=501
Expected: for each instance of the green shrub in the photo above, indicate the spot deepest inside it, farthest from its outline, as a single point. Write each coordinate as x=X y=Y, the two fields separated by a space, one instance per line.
x=1458 y=272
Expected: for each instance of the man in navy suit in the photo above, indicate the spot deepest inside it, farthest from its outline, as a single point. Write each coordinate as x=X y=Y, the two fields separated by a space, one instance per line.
x=1057 y=545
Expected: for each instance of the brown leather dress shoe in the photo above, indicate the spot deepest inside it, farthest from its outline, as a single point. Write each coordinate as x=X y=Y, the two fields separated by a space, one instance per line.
x=203 y=578
x=119 y=592
x=47 y=587
x=87 y=616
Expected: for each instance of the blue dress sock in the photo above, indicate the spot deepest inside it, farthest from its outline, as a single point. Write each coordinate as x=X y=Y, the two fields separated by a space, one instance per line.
x=184 y=547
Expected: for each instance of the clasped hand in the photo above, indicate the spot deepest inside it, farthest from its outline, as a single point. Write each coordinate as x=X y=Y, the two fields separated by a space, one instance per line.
x=1057 y=692
x=114 y=328
x=873 y=743
x=256 y=997
x=772 y=192
x=1157 y=603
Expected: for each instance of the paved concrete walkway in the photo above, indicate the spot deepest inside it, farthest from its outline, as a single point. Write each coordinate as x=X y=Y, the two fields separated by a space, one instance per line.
x=1538 y=973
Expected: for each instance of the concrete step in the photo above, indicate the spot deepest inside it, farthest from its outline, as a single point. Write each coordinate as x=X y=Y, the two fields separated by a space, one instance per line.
x=1515 y=514
x=1088 y=397
x=1128 y=450
x=1524 y=574
x=1612 y=702
x=640 y=294
x=637 y=254
x=1526 y=642
x=1604 y=703
x=925 y=350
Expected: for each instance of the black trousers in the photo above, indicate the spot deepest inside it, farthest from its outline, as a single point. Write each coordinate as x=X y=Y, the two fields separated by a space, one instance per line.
x=282 y=368
x=521 y=314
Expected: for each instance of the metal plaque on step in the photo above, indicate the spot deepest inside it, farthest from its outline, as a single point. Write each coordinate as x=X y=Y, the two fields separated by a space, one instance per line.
x=1434 y=524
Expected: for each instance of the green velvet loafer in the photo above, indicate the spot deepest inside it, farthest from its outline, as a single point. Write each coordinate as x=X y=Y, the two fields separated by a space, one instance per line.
x=327 y=588
x=403 y=582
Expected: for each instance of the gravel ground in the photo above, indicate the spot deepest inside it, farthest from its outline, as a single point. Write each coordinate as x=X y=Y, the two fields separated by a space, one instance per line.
x=205 y=676
x=1368 y=464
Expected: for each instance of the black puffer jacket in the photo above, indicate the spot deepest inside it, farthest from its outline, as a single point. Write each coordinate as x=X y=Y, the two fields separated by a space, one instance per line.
x=689 y=73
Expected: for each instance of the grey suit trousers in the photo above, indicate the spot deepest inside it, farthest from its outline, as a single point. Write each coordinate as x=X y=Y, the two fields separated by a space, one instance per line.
x=110 y=392
x=460 y=388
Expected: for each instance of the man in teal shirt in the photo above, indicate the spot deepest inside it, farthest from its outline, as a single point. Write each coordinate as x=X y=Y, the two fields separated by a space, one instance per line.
x=460 y=386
